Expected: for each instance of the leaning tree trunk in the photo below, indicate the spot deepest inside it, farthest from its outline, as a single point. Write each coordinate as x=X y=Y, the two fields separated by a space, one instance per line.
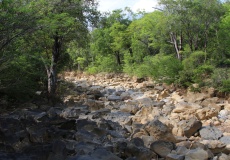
x=52 y=70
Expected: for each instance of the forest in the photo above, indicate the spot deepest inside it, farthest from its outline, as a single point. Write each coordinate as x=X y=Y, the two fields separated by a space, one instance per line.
x=183 y=42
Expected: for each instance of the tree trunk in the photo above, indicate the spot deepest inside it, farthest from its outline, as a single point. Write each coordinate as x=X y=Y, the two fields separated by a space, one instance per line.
x=118 y=58
x=52 y=70
x=174 y=42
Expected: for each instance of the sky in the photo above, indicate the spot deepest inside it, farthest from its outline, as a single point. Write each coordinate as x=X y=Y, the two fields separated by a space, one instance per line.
x=109 y=5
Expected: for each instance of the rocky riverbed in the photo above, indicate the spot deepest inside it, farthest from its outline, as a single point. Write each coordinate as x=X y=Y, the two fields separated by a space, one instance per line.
x=117 y=117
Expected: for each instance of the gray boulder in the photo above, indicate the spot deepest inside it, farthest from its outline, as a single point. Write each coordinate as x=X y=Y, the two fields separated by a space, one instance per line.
x=210 y=133
x=162 y=148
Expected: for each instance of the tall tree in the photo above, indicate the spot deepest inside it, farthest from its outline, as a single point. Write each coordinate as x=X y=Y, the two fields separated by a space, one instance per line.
x=190 y=22
x=60 y=22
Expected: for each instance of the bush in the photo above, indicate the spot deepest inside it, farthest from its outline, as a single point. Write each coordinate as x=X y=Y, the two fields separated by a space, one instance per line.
x=161 y=67
x=195 y=70
x=104 y=64
x=225 y=86
x=92 y=70
x=221 y=79
x=202 y=73
x=194 y=60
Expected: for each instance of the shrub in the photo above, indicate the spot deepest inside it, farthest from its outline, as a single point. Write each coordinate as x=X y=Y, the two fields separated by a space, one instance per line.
x=221 y=79
x=161 y=67
x=104 y=64
x=225 y=86
x=195 y=70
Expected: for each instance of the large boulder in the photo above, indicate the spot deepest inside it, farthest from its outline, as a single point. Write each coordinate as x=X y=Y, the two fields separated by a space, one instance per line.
x=196 y=154
x=159 y=131
x=162 y=148
x=187 y=127
x=136 y=148
x=210 y=133
x=215 y=146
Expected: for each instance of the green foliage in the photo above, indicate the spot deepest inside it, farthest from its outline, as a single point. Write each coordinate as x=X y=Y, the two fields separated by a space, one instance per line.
x=160 y=67
x=225 y=87
x=195 y=69
x=194 y=60
x=104 y=64
x=220 y=78
x=165 y=68
x=35 y=36
x=22 y=78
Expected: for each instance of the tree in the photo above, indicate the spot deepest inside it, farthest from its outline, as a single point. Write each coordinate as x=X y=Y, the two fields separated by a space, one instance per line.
x=110 y=39
x=17 y=74
x=190 y=22
x=60 y=22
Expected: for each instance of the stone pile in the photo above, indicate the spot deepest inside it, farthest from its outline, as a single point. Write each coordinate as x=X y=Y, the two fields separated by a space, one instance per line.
x=117 y=117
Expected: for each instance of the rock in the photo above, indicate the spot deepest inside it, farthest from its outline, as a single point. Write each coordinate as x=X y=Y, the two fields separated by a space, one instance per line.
x=125 y=95
x=132 y=109
x=53 y=112
x=103 y=154
x=194 y=97
x=186 y=110
x=83 y=157
x=226 y=141
x=181 y=150
x=163 y=95
x=122 y=118
x=70 y=112
x=82 y=86
x=58 y=151
x=131 y=158
x=99 y=113
x=189 y=127
x=196 y=154
x=210 y=133
x=162 y=148
x=159 y=131
x=223 y=114
x=85 y=147
x=224 y=157
x=94 y=105
x=148 y=140
x=136 y=95
x=85 y=124
x=135 y=148
x=172 y=156
x=145 y=102
x=167 y=109
x=146 y=114
x=38 y=134
x=211 y=102
x=227 y=106
x=160 y=88
x=215 y=146
x=176 y=97
x=114 y=98
x=206 y=113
